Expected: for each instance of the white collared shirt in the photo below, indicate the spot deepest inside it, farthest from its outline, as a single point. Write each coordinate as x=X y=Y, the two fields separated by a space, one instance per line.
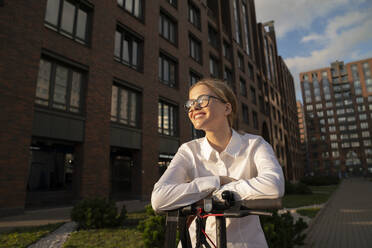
x=194 y=173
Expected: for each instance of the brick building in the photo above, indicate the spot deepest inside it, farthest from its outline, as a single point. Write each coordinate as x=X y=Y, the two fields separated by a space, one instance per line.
x=303 y=137
x=92 y=91
x=338 y=113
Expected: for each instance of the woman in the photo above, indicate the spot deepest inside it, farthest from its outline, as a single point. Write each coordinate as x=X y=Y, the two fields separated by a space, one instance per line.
x=222 y=160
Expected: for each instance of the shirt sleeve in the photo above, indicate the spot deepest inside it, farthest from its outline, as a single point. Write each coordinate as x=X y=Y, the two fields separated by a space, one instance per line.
x=269 y=182
x=176 y=188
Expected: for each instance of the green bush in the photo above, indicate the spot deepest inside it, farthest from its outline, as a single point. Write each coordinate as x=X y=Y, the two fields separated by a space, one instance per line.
x=281 y=231
x=153 y=229
x=297 y=188
x=97 y=213
x=320 y=180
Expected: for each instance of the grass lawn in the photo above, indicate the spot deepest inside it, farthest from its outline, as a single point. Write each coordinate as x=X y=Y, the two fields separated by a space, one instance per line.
x=24 y=236
x=106 y=238
x=320 y=195
x=127 y=237
x=309 y=212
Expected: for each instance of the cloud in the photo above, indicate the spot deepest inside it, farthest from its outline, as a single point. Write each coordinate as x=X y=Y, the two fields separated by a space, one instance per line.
x=340 y=41
x=351 y=19
x=290 y=15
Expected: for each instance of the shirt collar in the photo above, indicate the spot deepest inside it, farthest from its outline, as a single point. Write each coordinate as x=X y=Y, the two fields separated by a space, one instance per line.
x=232 y=148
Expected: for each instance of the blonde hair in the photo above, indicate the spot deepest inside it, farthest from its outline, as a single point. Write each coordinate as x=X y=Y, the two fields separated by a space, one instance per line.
x=223 y=91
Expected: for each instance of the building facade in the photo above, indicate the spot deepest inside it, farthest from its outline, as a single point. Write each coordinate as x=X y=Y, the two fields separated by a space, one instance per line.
x=92 y=92
x=303 y=138
x=338 y=113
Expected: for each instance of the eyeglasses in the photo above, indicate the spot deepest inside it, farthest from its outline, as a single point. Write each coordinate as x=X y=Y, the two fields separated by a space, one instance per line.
x=201 y=102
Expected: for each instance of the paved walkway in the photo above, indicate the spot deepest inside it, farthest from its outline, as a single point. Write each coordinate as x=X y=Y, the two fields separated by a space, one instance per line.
x=346 y=221
x=46 y=216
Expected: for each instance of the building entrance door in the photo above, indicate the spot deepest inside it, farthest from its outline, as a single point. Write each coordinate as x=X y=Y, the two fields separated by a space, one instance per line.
x=121 y=173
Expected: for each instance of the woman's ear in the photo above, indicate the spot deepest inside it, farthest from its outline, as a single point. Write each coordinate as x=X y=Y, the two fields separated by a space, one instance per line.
x=228 y=109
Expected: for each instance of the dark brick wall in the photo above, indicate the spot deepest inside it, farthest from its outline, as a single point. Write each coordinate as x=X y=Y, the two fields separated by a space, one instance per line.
x=23 y=40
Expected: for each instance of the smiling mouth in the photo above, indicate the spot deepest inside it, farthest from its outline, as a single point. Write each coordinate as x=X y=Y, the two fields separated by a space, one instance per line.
x=198 y=116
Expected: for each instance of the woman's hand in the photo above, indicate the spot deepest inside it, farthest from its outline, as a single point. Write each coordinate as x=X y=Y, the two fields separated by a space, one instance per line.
x=225 y=180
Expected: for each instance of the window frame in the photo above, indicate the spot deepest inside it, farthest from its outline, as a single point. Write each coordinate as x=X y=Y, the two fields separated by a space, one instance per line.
x=175 y=120
x=123 y=87
x=126 y=32
x=78 y=5
x=198 y=44
x=141 y=8
x=171 y=60
x=51 y=86
x=170 y=21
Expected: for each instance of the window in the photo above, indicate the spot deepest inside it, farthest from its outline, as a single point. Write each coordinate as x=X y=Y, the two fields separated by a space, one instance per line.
x=125 y=106
x=353 y=136
x=167 y=28
x=128 y=49
x=319 y=113
x=59 y=86
x=345 y=145
x=167 y=119
x=213 y=67
x=245 y=113
x=246 y=28
x=240 y=62
x=334 y=145
x=318 y=106
x=363 y=117
x=227 y=75
x=251 y=72
x=243 y=87
x=359 y=99
x=329 y=104
x=333 y=137
x=194 y=78
x=167 y=70
x=213 y=37
x=238 y=35
x=309 y=107
x=194 y=15
x=329 y=112
x=255 y=119
x=195 y=49
x=173 y=2
x=355 y=144
x=70 y=18
x=364 y=125
x=340 y=111
x=335 y=154
x=352 y=127
x=332 y=128
x=132 y=6
x=365 y=134
x=253 y=95
x=367 y=142
x=226 y=49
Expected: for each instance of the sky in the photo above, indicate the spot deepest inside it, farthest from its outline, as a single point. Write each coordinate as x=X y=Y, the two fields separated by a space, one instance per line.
x=313 y=33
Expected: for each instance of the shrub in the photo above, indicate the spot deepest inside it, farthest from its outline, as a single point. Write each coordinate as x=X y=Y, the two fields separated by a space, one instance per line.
x=281 y=231
x=298 y=188
x=153 y=229
x=320 y=180
x=97 y=213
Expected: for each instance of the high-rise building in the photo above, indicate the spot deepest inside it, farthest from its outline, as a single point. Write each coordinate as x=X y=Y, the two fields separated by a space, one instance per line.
x=338 y=113
x=303 y=137
x=91 y=92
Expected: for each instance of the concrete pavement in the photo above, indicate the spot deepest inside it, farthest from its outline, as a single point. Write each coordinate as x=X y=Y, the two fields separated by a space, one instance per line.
x=346 y=220
x=54 y=215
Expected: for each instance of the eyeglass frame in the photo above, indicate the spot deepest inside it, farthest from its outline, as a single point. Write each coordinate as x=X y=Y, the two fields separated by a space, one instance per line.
x=187 y=109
